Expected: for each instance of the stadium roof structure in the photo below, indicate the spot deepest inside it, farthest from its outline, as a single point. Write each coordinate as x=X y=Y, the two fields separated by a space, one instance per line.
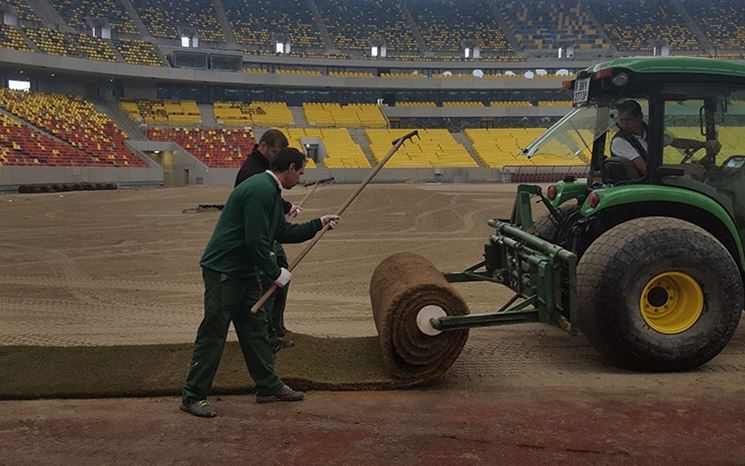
x=685 y=65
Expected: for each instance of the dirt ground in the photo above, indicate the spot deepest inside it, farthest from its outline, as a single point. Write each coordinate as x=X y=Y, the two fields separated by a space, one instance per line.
x=121 y=267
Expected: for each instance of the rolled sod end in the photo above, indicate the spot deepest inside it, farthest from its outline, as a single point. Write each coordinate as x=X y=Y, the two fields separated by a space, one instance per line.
x=401 y=286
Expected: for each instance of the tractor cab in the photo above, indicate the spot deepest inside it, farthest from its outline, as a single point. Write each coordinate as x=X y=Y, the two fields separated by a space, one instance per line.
x=642 y=122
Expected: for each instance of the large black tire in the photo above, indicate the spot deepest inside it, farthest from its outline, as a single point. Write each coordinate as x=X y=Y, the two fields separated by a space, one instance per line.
x=658 y=294
x=548 y=230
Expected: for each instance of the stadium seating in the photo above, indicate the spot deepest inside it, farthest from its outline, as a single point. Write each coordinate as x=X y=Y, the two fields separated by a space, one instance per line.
x=352 y=24
x=462 y=104
x=448 y=25
x=254 y=114
x=418 y=104
x=163 y=112
x=11 y=38
x=546 y=24
x=23 y=146
x=309 y=73
x=138 y=52
x=347 y=116
x=24 y=11
x=73 y=45
x=637 y=24
x=510 y=103
x=161 y=17
x=254 y=22
x=75 y=13
x=554 y=103
x=216 y=147
x=434 y=148
x=350 y=74
x=343 y=152
x=501 y=147
x=76 y=122
x=721 y=21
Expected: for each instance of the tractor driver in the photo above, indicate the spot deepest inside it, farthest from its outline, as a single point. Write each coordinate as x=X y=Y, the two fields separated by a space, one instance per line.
x=630 y=142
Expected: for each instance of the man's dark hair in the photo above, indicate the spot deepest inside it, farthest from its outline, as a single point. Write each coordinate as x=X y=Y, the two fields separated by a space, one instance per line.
x=629 y=107
x=286 y=157
x=274 y=138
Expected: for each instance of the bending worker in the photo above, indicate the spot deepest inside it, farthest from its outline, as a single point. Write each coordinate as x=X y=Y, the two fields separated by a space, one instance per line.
x=630 y=141
x=241 y=248
x=271 y=142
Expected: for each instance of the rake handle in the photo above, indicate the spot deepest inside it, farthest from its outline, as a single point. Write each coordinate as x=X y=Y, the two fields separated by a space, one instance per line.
x=396 y=145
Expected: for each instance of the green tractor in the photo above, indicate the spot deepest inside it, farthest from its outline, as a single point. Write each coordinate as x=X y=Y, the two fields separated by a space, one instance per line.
x=645 y=255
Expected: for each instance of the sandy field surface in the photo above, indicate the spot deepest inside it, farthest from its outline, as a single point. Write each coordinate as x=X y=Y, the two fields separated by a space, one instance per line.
x=121 y=267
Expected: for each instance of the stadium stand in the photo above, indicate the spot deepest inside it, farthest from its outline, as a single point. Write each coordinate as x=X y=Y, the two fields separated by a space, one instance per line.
x=75 y=12
x=256 y=113
x=721 y=21
x=347 y=116
x=350 y=74
x=637 y=24
x=418 y=104
x=501 y=147
x=550 y=24
x=23 y=146
x=254 y=22
x=11 y=38
x=138 y=52
x=24 y=11
x=447 y=25
x=163 y=112
x=75 y=121
x=352 y=24
x=215 y=147
x=161 y=17
x=462 y=104
x=72 y=45
x=435 y=148
x=510 y=103
x=342 y=151
x=287 y=72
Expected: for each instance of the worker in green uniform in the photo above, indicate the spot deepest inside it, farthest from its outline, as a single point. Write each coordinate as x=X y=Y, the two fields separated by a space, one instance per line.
x=238 y=252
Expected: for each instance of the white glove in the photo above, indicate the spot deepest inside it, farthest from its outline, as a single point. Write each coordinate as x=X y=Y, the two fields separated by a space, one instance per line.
x=295 y=210
x=330 y=220
x=284 y=278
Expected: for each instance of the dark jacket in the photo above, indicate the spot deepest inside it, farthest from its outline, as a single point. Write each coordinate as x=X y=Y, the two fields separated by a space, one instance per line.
x=252 y=220
x=256 y=163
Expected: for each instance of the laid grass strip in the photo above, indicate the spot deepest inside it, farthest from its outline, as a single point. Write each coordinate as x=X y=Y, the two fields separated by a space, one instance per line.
x=109 y=371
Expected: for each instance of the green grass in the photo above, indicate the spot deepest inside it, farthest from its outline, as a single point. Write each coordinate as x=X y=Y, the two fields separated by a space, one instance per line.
x=110 y=371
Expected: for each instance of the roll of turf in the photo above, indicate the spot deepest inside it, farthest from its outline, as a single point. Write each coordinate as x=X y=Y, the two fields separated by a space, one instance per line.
x=400 y=287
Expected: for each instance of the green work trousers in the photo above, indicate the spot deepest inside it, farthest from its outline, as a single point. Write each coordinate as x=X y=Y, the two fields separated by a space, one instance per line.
x=229 y=299
x=275 y=306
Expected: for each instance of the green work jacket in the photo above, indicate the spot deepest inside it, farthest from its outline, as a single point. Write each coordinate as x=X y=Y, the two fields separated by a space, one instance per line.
x=253 y=218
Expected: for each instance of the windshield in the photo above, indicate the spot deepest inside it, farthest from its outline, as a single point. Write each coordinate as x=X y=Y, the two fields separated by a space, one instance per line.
x=571 y=138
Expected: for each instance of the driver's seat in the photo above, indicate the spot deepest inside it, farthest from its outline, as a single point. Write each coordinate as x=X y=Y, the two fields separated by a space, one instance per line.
x=619 y=169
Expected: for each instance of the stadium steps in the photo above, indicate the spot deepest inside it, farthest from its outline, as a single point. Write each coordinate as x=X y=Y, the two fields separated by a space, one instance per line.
x=692 y=26
x=130 y=127
x=600 y=29
x=208 y=115
x=29 y=43
x=298 y=114
x=506 y=27
x=359 y=137
x=316 y=13
x=222 y=18
x=144 y=33
x=463 y=140
x=415 y=30
x=49 y=15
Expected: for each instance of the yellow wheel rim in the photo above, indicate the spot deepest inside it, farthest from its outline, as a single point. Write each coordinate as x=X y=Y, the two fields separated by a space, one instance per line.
x=671 y=302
